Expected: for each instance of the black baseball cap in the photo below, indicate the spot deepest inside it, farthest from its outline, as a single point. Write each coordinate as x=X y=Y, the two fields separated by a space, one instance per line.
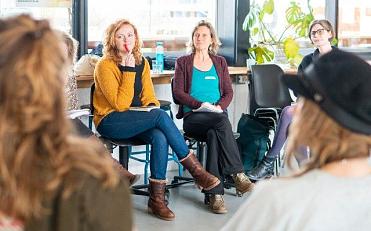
x=340 y=83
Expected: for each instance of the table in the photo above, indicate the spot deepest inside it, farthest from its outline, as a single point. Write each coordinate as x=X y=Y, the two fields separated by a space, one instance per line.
x=85 y=81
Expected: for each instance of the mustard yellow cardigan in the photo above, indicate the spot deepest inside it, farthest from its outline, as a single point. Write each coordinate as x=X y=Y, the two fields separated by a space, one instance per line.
x=114 y=89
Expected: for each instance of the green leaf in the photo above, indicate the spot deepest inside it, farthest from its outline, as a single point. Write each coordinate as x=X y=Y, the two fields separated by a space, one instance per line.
x=290 y=47
x=302 y=26
x=251 y=17
x=268 y=7
x=261 y=54
x=334 y=41
x=293 y=13
x=255 y=31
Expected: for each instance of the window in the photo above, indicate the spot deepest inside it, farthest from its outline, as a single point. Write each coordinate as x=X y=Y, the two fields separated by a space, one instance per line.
x=277 y=21
x=354 y=29
x=59 y=12
x=171 y=21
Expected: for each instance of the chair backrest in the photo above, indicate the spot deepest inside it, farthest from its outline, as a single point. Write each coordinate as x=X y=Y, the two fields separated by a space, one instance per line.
x=267 y=89
x=92 y=89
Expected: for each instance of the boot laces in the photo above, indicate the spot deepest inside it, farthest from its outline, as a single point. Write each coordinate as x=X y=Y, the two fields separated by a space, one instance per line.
x=241 y=177
x=217 y=200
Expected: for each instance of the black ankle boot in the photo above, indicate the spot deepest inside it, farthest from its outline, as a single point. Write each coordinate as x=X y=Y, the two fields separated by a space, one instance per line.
x=264 y=170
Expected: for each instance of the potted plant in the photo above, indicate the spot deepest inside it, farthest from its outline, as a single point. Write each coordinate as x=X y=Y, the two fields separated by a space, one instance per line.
x=265 y=44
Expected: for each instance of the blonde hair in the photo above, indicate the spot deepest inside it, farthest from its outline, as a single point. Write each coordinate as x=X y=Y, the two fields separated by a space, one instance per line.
x=38 y=152
x=215 y=42
x=72 y=45
x=110 y=50
x=328 y=141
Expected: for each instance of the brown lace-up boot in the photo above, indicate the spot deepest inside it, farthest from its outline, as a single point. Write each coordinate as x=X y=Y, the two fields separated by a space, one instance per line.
x=242 y=183
x=156 y=203
x=203 y=179
x=125 y=173
x=217 y=205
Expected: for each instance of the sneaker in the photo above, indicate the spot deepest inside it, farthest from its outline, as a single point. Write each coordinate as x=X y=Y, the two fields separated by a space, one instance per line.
x=242 y=183
x=217 y=204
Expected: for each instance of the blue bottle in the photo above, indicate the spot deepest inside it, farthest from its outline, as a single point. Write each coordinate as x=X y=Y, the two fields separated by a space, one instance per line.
x=160 y=55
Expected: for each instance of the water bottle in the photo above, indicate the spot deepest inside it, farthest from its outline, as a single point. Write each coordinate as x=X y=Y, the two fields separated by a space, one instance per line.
x=160 y=55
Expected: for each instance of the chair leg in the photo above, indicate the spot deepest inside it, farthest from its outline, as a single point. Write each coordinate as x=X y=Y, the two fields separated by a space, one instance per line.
x=145 y=180
x=180 y=166
x=124 y=156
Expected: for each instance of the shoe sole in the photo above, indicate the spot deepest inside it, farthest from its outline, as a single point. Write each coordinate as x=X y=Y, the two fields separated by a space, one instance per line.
x=249 y=189
x=220 y=212
x=150 y=211
x=261 y=178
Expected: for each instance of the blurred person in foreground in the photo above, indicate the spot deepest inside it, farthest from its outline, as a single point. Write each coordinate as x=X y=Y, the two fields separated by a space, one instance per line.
x=333 y=118
x=50 y=179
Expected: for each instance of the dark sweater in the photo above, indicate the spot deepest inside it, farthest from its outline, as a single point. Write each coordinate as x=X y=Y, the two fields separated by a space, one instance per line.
x=308 y=59
x=90 y=208
x=183 y=80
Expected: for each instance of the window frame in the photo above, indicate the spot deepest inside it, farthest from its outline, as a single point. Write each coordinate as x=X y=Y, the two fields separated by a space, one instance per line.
x=80 y=16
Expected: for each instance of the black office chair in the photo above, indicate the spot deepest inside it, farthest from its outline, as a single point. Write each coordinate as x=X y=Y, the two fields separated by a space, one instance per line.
x=268 y=95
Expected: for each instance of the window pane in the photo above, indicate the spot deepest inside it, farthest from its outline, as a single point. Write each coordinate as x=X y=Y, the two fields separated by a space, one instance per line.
x=58 y=12
x=169 y=20
x=278 y=24
x=354 y=23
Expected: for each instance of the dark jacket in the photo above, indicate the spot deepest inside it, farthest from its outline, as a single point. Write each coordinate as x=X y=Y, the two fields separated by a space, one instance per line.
x=183 y=80
x=308 y=59
x=89 y=208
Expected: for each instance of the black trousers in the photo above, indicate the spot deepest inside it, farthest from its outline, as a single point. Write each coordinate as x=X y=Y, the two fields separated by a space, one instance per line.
x=223 y=156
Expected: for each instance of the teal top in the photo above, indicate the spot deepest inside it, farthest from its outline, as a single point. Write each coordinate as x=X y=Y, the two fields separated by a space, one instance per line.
x=204 y=86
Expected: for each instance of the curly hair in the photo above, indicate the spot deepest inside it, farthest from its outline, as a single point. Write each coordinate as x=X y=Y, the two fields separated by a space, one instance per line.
x=109 y=46
x=328 y=141
x=214 y=47
x=38 y=152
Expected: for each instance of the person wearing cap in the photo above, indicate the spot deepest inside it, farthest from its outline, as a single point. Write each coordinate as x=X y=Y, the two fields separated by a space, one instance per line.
x=321 y=34
x=332 y=117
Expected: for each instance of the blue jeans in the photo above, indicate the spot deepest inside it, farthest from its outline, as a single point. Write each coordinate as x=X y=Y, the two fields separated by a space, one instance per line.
x=154 y=127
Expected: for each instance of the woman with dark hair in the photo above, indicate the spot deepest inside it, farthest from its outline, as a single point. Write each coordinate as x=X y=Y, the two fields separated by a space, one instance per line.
x=321 y=34
x=50 y=179
x=202 y=80
x=122 y=79
x=332 y=117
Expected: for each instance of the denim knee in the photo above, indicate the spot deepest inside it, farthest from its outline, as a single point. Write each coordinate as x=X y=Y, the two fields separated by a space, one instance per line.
x=158 y=138
x=159 y=154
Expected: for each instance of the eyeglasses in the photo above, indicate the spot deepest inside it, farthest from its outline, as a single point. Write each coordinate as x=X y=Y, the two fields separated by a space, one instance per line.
x=319 y=32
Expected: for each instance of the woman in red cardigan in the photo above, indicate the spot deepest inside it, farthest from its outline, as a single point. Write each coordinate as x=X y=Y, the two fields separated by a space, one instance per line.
x=202 y=83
